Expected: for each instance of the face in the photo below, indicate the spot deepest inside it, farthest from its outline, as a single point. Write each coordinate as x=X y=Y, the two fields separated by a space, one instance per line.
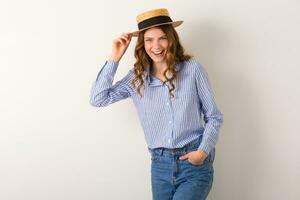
x=156 y=43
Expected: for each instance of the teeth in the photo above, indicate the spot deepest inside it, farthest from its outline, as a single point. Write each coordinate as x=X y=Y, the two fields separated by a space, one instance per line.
x=157 y=52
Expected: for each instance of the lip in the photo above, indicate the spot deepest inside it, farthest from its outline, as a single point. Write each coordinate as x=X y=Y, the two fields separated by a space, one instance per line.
x=158 y=55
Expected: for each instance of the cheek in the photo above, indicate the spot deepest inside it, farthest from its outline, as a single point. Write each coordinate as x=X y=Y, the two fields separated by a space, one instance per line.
x=147 y=49
x=165 y=44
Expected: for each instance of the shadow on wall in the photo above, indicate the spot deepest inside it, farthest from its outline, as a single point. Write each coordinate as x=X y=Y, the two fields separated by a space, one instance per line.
x=238 y=163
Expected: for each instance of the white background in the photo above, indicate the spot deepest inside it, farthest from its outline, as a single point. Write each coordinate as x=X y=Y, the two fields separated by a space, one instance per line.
x=55 y=146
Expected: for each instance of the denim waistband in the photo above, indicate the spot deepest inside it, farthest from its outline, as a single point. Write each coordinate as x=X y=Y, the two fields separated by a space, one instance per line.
x=177 y=151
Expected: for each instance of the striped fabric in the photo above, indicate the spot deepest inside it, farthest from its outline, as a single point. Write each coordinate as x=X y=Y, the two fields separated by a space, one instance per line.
x=167 y=122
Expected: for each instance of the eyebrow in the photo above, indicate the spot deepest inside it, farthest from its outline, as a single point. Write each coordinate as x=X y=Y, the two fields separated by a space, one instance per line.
x=152 y=37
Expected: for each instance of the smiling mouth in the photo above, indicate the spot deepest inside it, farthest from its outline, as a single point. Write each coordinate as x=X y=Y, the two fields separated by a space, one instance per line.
x=158 y=53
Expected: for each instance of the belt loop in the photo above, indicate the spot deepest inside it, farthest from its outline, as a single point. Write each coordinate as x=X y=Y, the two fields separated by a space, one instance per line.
x=161 y=151
x=184 y=149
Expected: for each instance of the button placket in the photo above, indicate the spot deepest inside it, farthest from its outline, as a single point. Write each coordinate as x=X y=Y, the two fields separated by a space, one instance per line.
x=168 y=104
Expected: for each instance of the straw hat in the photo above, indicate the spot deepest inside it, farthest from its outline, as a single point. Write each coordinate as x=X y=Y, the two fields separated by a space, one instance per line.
x=154 y=18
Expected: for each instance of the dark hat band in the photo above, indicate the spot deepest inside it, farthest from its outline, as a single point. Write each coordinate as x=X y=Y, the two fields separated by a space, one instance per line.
x=153 y=21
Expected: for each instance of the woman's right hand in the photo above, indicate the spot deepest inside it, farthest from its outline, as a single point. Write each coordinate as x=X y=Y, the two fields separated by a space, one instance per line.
x=120 y=46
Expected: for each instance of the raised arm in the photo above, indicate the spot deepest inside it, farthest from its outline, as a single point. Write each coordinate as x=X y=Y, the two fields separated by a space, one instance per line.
x=103 y=92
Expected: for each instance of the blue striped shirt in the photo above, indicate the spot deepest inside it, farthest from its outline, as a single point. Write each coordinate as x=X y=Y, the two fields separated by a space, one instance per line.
x=166 y=122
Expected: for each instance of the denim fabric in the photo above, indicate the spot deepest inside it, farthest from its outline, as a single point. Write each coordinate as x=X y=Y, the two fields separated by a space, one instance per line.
x=174 y=179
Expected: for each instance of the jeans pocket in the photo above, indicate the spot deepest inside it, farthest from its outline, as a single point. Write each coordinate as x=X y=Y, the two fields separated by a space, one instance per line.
x=209 y=159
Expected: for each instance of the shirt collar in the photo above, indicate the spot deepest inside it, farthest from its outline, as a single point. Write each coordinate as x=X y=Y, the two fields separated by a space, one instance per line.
x=178 y=67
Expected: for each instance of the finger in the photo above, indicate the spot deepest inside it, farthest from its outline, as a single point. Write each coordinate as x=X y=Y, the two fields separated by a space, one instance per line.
x=129 y=37
x=125 y=38
x=121 y=41
x=184 y=157
x=127 y=34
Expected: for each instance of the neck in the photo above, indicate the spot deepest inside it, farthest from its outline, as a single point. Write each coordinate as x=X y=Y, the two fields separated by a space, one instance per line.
x=158 y=68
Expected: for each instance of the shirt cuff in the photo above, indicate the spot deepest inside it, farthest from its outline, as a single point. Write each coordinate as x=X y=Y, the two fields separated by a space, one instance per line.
x=205 y=147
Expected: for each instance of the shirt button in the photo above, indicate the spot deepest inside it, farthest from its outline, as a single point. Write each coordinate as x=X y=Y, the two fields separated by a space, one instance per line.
x=167 y=104
x=169 y=140
x=170 y=122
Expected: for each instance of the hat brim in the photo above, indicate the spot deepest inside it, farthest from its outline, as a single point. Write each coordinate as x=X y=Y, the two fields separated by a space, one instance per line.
x=175 y=24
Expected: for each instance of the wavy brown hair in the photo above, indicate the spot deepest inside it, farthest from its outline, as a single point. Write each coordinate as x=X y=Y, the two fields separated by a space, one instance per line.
x=175 y=54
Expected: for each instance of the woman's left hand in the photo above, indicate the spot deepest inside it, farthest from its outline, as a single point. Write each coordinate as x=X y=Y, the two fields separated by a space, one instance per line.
x=195 y=157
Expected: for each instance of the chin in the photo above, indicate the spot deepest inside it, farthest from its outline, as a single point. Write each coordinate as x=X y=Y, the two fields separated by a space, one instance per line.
x=158 y=60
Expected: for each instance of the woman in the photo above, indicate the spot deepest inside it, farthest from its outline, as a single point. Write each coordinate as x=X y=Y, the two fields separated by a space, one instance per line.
x=171 y=92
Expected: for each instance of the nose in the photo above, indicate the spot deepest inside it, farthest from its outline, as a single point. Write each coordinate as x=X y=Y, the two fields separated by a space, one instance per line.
x=156 y=44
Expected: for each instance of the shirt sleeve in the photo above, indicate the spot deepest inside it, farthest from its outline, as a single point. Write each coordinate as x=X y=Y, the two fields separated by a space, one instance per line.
x=213 y=118
x=103 y=93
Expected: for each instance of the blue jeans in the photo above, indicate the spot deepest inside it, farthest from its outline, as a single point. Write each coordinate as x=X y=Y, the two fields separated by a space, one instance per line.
x=174 y=179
